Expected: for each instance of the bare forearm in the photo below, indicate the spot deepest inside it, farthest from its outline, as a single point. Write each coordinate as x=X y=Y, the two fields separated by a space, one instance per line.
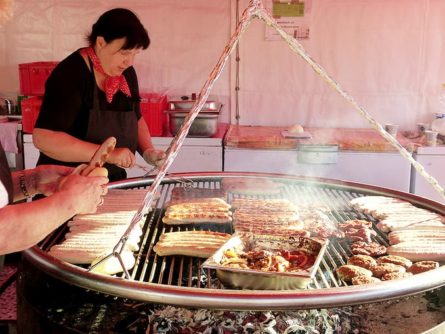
x=62 y=146
x=144 y=137
x=24 y=184
x=24 y=225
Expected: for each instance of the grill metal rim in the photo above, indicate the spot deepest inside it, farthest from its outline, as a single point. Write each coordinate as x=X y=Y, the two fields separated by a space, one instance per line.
x=245 y=299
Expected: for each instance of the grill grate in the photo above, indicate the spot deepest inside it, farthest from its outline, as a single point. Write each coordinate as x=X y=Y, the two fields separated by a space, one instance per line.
x=181 y=280
x=185 y=271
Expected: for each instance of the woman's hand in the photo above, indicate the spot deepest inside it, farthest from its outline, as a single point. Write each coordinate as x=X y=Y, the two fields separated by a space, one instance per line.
x=154 y=157
x=122 y=157
x=48 y=177
x=84 y=192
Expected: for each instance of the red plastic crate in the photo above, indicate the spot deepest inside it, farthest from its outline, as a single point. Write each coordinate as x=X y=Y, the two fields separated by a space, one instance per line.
x=33 y=76
x=30 y=110
x=152 y=109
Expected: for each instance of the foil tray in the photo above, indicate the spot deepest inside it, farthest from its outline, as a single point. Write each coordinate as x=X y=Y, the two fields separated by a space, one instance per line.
x=264 y=280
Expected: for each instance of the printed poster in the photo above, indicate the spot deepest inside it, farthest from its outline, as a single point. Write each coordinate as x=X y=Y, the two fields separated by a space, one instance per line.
x=292 y=15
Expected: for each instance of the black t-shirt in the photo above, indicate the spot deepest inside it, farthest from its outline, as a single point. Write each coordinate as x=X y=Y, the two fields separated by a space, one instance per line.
x=69 y=97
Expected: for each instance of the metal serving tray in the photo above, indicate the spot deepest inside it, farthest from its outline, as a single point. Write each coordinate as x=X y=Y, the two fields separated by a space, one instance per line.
x=187 y=105
x=263 y=280
x=204 y=125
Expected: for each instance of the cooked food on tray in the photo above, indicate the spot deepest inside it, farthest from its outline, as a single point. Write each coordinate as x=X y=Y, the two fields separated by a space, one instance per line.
x=275 y=217
x=414 y=233
x=347 y=272
x=355 y=224
x=395 y=275
x=422 y=266
x=364 y=261
x=382 y=268
x=424 y=234
x=254 y=221
x=267 y=217
x=110 y=265
x=264 y=204
x=399 y=260
x=317 y=222
x=385 y=268
x=203 y=210
x=267 y=262
x=419 y=250
x=395 y=214
x=203 y=201
x=371 y=249
x=251 y=186
x=91 y=237
x=180 y=193
x=379 y=206
x=357 y=230
x=268 y=227
x=362 y=279
x=190 y=243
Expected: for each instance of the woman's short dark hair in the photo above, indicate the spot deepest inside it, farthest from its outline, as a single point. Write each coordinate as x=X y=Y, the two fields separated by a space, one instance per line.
x=119 y=23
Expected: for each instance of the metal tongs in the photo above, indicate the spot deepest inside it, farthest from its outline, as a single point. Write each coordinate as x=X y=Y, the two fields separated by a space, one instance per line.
x=185 y=182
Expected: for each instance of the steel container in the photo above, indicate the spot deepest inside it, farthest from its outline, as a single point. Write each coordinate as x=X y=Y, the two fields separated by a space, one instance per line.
x=267 y=280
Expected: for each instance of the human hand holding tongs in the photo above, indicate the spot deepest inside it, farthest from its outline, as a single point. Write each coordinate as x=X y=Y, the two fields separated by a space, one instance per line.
x=152 y=170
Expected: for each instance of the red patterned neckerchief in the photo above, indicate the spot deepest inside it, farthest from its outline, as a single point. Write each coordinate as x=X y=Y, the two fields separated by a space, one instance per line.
x=111 y=84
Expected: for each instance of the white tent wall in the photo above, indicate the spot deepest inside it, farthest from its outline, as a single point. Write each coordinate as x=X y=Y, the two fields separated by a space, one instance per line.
x=388 y=54
x=187 y=38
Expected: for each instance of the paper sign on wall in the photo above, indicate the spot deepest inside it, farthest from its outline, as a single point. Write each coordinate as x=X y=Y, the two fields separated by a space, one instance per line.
x=291 y=15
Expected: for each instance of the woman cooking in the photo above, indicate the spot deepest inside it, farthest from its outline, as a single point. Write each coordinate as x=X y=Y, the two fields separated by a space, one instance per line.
x=93 y=94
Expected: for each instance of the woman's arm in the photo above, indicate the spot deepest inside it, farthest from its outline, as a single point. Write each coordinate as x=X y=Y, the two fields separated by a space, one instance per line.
x=145 y=146
x=144 y=137
x=62 y=146
x=25 y=224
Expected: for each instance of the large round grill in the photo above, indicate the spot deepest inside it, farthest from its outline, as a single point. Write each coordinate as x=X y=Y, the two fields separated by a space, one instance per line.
x=180 y=280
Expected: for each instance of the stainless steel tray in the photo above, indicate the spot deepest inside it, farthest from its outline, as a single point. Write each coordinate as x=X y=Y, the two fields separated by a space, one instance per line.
x=204 y=125
x=266 y=280
x=187 y=106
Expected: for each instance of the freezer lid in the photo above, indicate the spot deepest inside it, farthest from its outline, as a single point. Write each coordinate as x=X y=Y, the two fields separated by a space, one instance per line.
x=431 y=150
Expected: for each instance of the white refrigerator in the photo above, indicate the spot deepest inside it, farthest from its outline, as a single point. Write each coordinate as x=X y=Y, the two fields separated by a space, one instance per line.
x=432 y=159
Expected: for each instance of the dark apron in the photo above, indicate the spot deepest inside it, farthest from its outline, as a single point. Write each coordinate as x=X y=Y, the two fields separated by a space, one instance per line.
x=123 y=125
x=5 y=175
x=105 y=123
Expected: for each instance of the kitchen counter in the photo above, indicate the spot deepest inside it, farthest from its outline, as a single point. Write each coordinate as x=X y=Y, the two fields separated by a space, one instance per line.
x=364 y=156
x=348 y=139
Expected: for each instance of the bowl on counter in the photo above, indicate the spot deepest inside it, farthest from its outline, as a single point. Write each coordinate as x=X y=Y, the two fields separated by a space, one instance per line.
x=204 y=125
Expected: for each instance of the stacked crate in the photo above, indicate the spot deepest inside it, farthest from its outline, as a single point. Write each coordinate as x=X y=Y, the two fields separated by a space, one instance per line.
x=32 y=87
